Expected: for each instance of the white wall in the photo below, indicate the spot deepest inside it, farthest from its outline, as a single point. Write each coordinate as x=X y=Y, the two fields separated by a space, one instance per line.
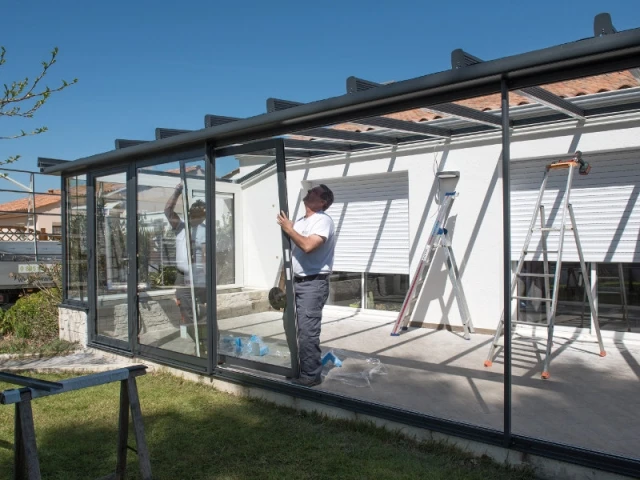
x=475 y=219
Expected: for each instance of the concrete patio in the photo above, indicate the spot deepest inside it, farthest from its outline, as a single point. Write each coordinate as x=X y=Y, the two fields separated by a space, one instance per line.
x=589 y=401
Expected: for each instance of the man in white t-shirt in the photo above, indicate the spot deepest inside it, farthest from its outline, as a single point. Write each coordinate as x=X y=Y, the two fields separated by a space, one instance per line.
x=313 y=238
x=188 y=267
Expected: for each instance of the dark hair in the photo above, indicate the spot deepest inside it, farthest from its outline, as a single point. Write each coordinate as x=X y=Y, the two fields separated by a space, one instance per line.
x=198 y=205
x=327 y=196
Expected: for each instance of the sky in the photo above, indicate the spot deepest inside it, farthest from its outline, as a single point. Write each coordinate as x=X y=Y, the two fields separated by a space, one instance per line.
x=142 y=64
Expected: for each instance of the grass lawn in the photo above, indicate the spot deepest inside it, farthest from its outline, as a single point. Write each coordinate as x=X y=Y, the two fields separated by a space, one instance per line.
x=21 y=346
x=195 y=432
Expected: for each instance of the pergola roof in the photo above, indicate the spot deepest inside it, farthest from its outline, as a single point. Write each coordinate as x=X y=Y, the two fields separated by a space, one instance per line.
x=444 y=105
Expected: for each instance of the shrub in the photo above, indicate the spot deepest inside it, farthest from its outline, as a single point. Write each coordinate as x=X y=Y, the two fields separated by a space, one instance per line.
x=33 y=317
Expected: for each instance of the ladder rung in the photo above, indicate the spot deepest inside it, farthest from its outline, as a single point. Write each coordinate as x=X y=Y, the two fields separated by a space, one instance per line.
x=540 y=299
x=551 y=229
x=527 y=252
x=600 y=277
x=540 y=275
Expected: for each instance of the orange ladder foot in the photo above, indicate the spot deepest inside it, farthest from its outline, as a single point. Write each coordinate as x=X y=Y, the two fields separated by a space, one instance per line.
x=603 y=353
x=545 y=375
x=488 y=363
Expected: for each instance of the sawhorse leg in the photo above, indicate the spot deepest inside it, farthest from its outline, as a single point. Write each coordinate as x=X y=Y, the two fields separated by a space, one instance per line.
x=129 y=400
x=26 y=463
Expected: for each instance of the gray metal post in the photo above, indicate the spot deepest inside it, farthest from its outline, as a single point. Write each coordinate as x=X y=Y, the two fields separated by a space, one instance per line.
x=506 y=258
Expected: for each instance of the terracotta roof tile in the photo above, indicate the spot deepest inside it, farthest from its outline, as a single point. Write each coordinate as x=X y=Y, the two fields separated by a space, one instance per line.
x=41 y=200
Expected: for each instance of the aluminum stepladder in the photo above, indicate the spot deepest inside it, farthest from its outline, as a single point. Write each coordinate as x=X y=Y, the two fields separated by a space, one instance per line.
x=437 y=239
x=551 y=302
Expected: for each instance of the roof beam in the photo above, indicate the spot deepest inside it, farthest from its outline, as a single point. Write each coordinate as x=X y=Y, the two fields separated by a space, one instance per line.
x=169 y=132
x=355 y=84
x=44 y=162
x=311 y=145
x=274 y=104
x=460 y=59
x=602 y=25
x=122 y=143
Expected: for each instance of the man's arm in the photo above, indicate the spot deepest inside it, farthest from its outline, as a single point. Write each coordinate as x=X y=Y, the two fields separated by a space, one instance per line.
x=172 y=216
x=306 y=244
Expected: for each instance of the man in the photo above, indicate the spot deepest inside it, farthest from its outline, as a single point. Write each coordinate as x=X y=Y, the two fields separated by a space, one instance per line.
x=313 y=238
x=188 y=266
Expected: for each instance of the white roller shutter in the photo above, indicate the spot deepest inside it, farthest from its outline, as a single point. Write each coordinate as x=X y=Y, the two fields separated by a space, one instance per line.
x=371 y=214
x=604 y=203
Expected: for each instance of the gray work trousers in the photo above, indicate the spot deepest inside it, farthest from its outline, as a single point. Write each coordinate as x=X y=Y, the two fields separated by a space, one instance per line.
x=310 y=299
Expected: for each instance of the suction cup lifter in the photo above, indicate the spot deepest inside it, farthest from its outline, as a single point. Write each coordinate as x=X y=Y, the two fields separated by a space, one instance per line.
x=444 y=175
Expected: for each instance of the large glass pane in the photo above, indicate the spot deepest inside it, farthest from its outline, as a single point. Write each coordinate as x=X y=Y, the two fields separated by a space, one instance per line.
x=225 y=239
x=112 y=262
x=250 y=328
x=171 y=257
x=76 y=246
x=588 y=394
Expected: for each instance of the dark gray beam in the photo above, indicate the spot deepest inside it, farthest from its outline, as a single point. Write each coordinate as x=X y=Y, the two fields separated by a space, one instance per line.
x=49 y=162
x=602 y=25
x=460 y=59
x=355 y=84
x=320 y=146
x=348 y=136
x=169 y=132
x=274 y=104
x=122 y=143
x=216 y=120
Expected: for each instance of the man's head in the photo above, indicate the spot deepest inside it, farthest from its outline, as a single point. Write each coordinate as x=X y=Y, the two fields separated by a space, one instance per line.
x=197 y=212
x=318 y=198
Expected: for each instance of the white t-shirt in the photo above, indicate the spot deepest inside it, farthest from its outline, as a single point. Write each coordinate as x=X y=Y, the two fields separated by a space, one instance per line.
x=321 y=259
x=198 y=240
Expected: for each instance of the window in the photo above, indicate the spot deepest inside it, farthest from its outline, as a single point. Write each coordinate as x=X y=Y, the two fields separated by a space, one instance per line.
x=618 y=294
x=76 y=242
x=382 y=291
x=225 y=240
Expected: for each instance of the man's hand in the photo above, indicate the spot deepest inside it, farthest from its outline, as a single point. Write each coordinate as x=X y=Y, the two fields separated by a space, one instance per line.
x=285 y=223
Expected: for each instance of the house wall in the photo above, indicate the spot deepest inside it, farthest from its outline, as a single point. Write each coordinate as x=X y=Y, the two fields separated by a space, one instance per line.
x=476 y=217
x=47 y=221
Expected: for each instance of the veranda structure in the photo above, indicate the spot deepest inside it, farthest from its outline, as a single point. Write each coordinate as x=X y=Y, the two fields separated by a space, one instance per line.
x=131 y=289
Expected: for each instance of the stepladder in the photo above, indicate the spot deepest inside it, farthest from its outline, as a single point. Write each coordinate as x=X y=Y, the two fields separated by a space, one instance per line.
x=551 y=281
x=611 y=284
x=438 y=239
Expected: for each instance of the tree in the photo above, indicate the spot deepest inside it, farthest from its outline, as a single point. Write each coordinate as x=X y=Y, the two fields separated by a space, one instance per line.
x=23 y=98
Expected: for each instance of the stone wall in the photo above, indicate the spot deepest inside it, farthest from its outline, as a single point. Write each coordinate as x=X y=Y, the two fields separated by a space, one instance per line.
x=73 y=325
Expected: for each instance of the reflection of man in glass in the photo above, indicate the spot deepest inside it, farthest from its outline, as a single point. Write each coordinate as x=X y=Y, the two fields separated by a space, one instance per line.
x=188 y=266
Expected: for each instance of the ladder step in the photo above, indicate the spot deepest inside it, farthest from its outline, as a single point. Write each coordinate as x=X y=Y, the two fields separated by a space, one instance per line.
x=527 y=252
x=600 y=277
x=540 y=299
x=538 y=275
x=550 y=229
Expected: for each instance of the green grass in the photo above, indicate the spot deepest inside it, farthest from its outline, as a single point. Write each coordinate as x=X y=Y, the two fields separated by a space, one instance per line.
x=195 y=432
x=22 y=346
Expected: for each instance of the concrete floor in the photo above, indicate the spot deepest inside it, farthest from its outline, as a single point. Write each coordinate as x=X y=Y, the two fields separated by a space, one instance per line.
x=589 y=401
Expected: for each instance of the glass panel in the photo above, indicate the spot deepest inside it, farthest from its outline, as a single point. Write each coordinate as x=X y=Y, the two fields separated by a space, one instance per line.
x=573 y=305
x=345 y=289
x=619 y=296
x=386 y=291
x=171 y=261
x=112 y=263
x=249 y=327
x=76 y=246
x=589 y=393
x=225 y=240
